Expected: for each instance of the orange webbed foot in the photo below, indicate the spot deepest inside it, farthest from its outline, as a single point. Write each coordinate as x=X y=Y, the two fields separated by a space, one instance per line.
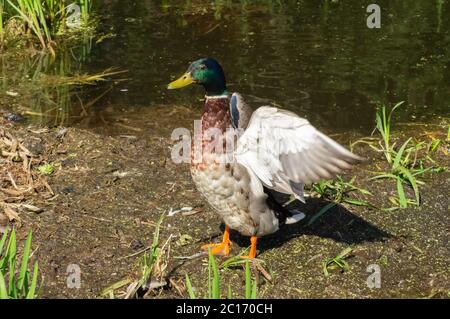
x=252 y=254
x=222 y=248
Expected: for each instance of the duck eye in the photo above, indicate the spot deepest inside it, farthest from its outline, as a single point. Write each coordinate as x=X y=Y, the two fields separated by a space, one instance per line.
x=203 y=67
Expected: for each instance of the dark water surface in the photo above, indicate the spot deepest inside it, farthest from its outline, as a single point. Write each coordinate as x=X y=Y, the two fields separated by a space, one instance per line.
x=317 y=58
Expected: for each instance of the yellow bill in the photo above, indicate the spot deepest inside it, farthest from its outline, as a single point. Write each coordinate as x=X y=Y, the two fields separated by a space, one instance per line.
x=185 y=80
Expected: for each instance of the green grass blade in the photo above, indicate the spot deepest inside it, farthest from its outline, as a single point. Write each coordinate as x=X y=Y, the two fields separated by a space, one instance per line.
x=423 y=171
x=344 y=253
x=324 y=209
x=42 y=20
x=209 y=276
x=109 y=291
x=382 y=176
x=3 y=290
x=344 y=265
x=155 y=242
x=379 y=124
x=399 y=155
x=12 y=290
x=248 y=281
x=2 y=241
x=24 y=266
x=357 y=202
x=362 y=190
x=27 y=12
x=32 y=292
x=189 y=288
x=12 y=249
x=395 y=107
x=401 y=194
x=2 y=35
x=235 y=260
x=215 y=287
x=254 y=290
x=6 y=257
x=325 y=269
x=413 y=183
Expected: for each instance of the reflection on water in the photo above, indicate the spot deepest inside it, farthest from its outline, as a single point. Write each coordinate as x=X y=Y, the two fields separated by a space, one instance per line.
x=317 y=58
x=43 y=85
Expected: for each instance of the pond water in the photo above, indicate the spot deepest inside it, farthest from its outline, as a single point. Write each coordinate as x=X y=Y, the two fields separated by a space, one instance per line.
x=317 y=58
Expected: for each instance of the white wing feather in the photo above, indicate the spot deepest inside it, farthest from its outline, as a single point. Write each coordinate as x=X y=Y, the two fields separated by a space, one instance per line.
x=285 y=151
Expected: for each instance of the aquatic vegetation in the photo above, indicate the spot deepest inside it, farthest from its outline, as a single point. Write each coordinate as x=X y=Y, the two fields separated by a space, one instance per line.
x=2 y=31
x=85 y=10
x=45 y=19
x=15 y=285
x=49 y=86
x=337 y=191
x=78 y=79
x=51 y=90
x=33 y=16
x=214 y=282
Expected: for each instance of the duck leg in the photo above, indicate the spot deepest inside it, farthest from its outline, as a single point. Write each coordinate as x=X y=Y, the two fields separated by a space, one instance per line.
x=252 y=253
x=223 y=248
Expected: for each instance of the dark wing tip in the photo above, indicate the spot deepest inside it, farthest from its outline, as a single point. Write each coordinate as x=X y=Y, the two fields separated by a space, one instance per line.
x=234 y=110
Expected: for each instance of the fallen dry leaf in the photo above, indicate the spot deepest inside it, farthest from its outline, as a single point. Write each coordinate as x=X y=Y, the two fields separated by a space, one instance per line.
x=32 y=208
x=12 y=215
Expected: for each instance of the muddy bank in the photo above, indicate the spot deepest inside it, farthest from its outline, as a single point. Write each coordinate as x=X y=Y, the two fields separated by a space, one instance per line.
x=111 y=184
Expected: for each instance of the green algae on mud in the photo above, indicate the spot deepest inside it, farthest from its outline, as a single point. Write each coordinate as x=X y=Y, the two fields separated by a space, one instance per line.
x=112 y=183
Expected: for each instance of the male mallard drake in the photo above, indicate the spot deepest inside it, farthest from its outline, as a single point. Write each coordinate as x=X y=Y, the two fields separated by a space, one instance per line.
x=278 y=151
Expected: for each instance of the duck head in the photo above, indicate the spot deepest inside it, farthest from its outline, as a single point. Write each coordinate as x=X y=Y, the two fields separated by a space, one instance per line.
x=206 y=72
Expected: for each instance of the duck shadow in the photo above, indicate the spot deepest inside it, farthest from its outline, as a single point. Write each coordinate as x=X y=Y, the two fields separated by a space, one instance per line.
x=338 y=224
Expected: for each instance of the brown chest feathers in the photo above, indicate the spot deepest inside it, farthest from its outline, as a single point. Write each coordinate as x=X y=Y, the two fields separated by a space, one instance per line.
x=210 y=143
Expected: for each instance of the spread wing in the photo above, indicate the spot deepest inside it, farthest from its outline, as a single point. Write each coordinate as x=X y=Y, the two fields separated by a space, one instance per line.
x=285 y=151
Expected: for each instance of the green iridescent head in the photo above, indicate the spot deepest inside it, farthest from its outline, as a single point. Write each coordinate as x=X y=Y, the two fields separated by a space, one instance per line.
x=206 y=72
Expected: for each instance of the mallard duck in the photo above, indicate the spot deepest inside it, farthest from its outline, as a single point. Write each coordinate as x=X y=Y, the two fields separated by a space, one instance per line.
x=277 y=151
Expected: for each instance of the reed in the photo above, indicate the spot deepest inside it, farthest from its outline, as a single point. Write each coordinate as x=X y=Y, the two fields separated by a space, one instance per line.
x=32 y=14
x=45 y=19
x=2 y=31
x=85 y=10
